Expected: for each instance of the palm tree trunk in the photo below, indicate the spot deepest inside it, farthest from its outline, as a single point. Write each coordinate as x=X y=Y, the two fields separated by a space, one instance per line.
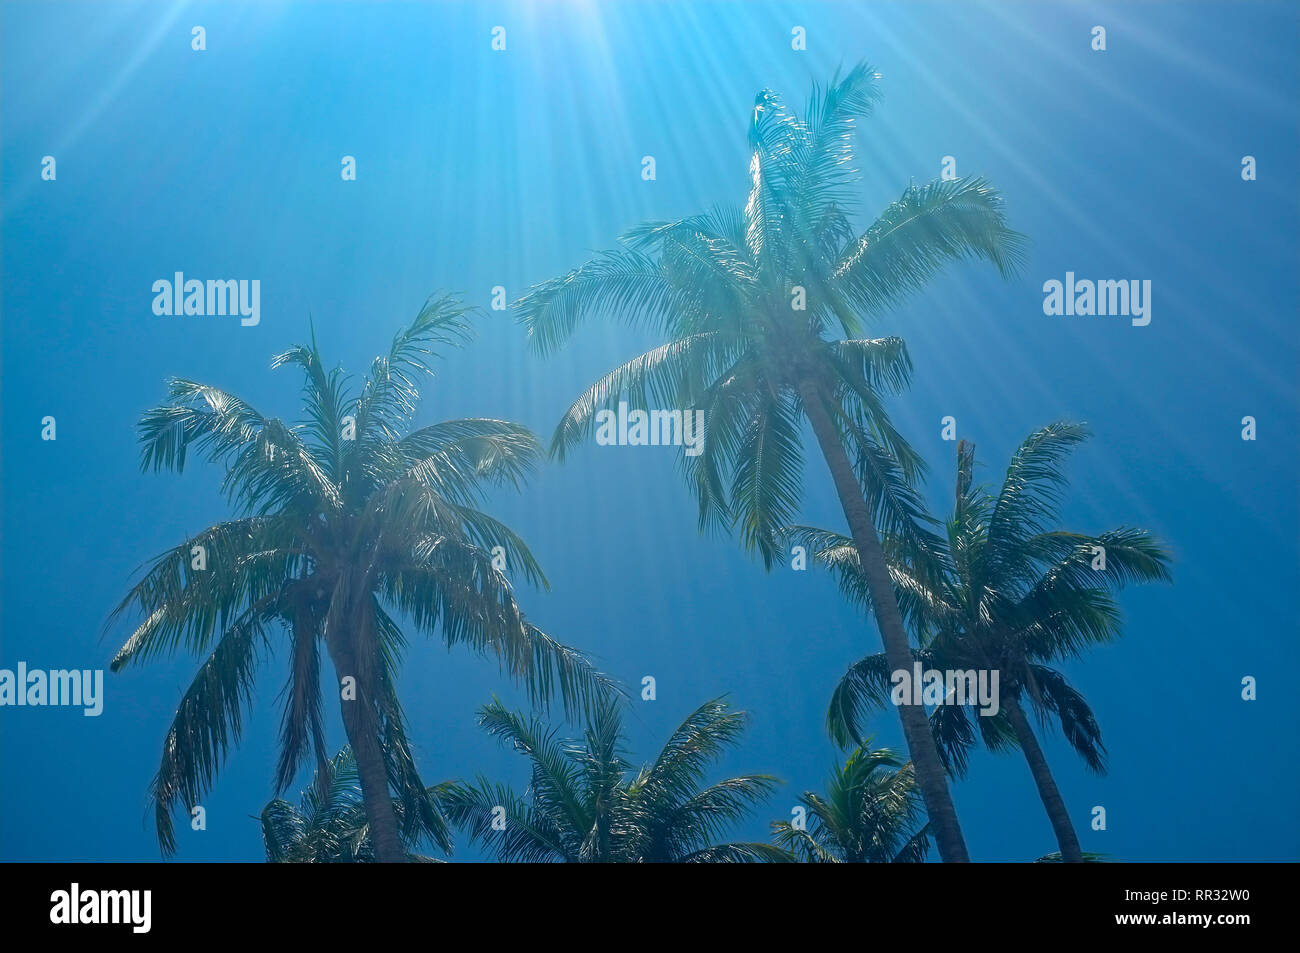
x=1047 y=790
x=360 y=721
x=930 y=775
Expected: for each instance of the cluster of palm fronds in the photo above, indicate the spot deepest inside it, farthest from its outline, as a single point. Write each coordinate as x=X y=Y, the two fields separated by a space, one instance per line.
x=351 y=525
x=585 y=803
x=329 y=824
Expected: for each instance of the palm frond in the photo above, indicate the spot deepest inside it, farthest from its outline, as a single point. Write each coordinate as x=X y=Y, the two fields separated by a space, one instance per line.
x=768 y=478
x=664 y=377
x=926 y=228
x=392 y=388
x=267 y=464
x=209 y=720
x=621 y=283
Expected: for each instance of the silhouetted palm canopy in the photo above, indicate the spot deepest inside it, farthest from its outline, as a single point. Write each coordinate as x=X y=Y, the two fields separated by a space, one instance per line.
x=720 y=287
x=329 y=826
x=871 y=813
x=1005 y=590
x=585 y=804
x=347 y=524
x=1008 y=594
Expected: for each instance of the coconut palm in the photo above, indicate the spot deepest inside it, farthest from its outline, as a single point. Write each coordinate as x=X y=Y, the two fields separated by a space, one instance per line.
x=328 y=826
x=585 y=804
x=1013 y=594
x=763 y=311
x=871 y=814
x=346 y=524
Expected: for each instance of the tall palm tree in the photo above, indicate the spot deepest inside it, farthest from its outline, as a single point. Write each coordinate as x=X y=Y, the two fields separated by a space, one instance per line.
x=584 y=804
x=763 y=310
x=328 y=826
x=871 y=814
x=1011 y=594
x=345 y=523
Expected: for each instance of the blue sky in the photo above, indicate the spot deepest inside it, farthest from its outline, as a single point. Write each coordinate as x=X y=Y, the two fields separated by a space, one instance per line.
x=478 y=168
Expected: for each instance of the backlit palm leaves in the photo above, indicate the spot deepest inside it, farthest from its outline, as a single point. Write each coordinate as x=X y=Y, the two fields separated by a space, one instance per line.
x=1012 y=593
x=871 y=813
x=763 y=310
x=586 y=803
x=348 y=523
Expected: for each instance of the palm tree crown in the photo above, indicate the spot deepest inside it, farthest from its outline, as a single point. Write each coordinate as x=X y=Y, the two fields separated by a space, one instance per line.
x=761 y=302
x=347 y=522
x=871 y=813
x=585 y=804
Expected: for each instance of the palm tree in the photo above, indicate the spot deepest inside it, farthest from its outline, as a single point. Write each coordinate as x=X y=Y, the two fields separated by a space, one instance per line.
x=871 y=814
x=345 y=524
x=329 y=824
x=763 y=310
x=583 y=803
x=1010 y=595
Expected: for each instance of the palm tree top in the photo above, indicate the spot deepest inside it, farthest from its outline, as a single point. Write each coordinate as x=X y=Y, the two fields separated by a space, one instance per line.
x=1004 y=588
x=871 y=813
x=587 y=803
x=347 y=522
x=795 y=222
x=762 y=306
